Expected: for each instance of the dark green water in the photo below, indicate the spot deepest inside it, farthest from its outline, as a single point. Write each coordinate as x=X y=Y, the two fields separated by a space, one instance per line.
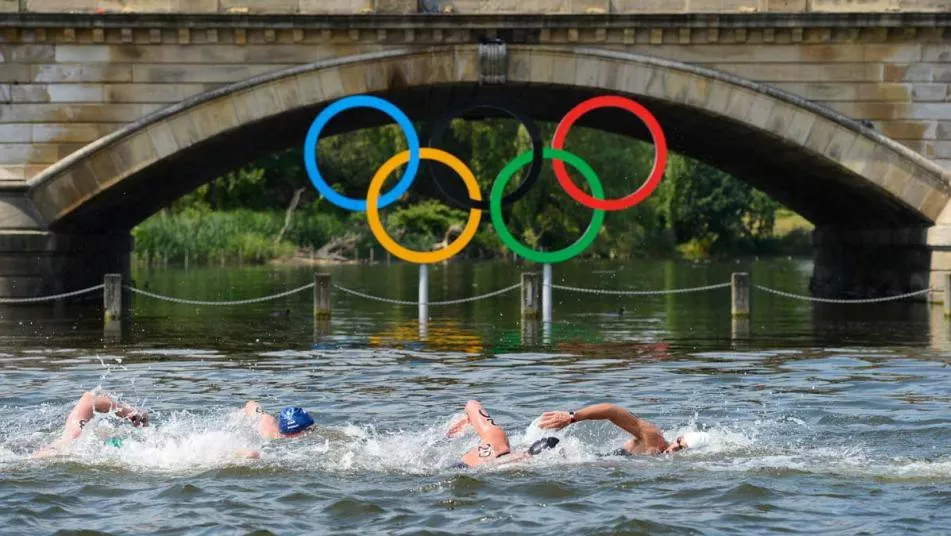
x=822 y=418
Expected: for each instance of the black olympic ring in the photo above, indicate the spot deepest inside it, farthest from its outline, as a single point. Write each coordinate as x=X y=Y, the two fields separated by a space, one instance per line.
x=534 y=170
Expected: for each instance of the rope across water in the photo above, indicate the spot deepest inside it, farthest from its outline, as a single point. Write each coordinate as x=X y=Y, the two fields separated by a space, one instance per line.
x=639 y=292
x=842 y=301
x=53 y=297
x=435 y=303
x=232 y=302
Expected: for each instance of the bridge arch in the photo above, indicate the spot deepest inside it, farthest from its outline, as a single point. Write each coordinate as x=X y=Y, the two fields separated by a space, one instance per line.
x=829 y=168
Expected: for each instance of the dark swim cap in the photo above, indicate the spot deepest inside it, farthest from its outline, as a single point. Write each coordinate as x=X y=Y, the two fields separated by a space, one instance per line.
x=293 y=420
x=544 y=443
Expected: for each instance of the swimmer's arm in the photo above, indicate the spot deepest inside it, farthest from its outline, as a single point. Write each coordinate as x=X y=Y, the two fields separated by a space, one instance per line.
x=644 y=431
x=104 y=404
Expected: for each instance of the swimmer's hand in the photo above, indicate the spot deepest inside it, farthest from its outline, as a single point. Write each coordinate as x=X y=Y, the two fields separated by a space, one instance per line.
x=458 y=427
x=247 y=454
x=554 y=420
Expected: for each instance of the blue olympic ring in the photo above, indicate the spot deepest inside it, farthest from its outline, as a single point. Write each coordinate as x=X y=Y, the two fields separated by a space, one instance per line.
x=361 y=101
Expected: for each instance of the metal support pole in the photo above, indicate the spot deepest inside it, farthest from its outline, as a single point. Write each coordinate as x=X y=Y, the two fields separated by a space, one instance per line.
x=531 y=288
x=546 y=293
x=322 y=288
x=947 y=295
x=423 y=294
x=740 y=293
x=112 y=298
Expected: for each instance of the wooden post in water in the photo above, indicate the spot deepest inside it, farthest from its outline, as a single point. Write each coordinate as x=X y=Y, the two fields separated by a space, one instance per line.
x=112 y=299
x=322 y=287
x=531 y=296
x=947 y=295
x=371 y=255
x=740 y=295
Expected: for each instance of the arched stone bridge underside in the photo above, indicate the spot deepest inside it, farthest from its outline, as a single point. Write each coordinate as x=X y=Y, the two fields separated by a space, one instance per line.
x=841 y=176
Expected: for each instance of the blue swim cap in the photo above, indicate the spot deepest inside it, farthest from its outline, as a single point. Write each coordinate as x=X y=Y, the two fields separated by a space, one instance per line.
x=293 y=420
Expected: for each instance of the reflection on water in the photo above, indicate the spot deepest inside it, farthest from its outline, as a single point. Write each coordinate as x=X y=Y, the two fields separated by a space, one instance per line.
x=822 y=418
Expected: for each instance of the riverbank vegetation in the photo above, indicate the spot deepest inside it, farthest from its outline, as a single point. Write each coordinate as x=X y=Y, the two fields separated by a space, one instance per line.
x=269 y=209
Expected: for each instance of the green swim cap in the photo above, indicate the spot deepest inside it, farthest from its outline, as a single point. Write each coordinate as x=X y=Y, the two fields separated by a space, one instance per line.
x=114 y=442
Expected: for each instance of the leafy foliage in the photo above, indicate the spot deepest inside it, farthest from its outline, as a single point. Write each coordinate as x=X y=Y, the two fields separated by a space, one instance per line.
x=698 y=210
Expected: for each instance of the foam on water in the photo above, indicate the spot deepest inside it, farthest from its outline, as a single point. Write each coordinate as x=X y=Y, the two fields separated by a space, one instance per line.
x=189 y=442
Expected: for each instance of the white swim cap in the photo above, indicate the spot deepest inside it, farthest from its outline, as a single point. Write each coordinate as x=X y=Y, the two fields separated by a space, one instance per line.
x=695 y=440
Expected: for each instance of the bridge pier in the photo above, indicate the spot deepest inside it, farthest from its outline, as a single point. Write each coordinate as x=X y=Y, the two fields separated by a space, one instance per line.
x=39 y=263
x=880 y=262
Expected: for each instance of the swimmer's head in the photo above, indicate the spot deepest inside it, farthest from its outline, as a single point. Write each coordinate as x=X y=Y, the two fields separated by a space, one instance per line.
x=294 y=421
x=690 y=440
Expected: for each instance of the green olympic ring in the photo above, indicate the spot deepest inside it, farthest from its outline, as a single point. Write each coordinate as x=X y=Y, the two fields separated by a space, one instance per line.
x=546 y=257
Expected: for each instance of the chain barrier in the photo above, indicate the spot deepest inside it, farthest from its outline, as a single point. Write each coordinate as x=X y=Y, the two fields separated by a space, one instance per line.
x=834 y=300
x=435 y=303
x=639 y=292
x=234 y=302
x=53 y=297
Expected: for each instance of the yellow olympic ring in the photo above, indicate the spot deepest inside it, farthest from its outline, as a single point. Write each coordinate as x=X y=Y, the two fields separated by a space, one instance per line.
x=409 y=255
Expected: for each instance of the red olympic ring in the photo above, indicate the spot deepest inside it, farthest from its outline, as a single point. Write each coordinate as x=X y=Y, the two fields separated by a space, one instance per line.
x=660 y=153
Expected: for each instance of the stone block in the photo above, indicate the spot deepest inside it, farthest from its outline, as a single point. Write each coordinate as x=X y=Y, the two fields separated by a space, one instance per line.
x=260 y=6
x=785 y=72
x=330 y=83
x=183 y=131
x=888 y=92
x=71 y=132
x=19 y=212
x=930 y=92
x=944 y=130
x=28 y=153
x=930 y=110
x=936 y=53
x=761 y=109
x=189 y=74
x=915 y=192
x=82 y=73
x=840 y=144
x=820 y=136
x=286 y=92
x=897 y=176
x=335 y=7
x=872 y=110
x=16 y=133
x=903 y=72
x=719 y=99
x=9 y=6
x=84 y=180
x=864 y=6
x=151 y=93
x=214 y=117
x=784 y=6
x=26 y=53
x=394 y=6
x=543 y=68
x=467 y=64
x=134 y=153
x=738 y=107
x=309 y=88
x=162 y=139
x=933 y=203
x=16 y=73
x=909 y=130
x=255 y=104
x=724 y=6
x=649 y=6
x=55 y=196
x=565 y=71
x=60 y=6
x=892 y=52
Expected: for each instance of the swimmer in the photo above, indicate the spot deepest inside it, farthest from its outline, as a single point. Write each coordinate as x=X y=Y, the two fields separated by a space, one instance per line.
x=290 y=422
x=85 y=409
x=648 y=439
x=495 y=448
x=89 y=404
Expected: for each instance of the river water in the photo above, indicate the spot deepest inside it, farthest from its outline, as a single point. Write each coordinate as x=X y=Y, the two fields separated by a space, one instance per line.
x=827 y=419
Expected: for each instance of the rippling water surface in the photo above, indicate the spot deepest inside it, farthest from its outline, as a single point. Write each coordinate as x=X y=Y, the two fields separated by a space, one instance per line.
x=823 y=419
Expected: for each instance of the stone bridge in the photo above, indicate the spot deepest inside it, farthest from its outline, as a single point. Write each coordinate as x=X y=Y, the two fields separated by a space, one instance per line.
x=840 y=109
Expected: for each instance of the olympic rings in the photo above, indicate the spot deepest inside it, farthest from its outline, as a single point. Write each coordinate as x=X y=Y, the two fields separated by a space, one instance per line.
x=660 y=153
x=423 y=257
x=533 y=172
x=415 y=154
x=360 y=101
x=546 y=257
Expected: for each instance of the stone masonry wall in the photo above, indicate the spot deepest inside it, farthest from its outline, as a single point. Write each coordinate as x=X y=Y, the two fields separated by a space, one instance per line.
x=472 y=6
x=63 y=88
